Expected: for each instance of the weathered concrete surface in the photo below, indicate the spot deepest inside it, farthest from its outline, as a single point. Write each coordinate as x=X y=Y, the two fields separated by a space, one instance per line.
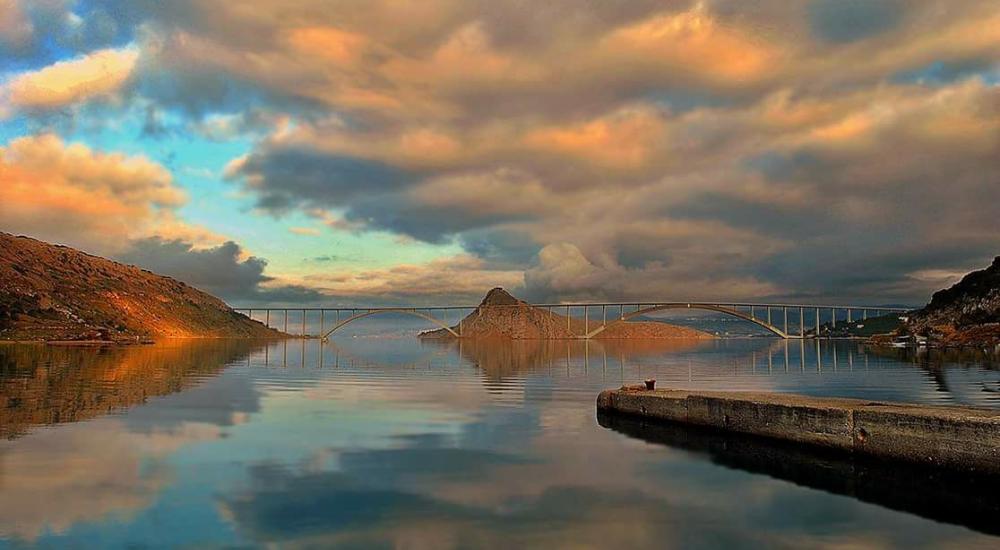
x=957 y=437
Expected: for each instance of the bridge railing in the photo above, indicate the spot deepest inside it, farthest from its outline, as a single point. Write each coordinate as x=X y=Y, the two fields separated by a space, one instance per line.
x=762 y=314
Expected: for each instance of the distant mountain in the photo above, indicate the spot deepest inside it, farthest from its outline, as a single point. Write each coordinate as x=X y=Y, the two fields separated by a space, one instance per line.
x=51 y=292
x=501 y=315
x=966 y=313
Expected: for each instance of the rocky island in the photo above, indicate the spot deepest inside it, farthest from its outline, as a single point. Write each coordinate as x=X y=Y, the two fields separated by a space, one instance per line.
x=52 y=293
x=501 y=315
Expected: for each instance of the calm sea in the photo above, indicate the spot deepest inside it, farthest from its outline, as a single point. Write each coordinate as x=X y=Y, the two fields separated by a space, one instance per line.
x=377 y=440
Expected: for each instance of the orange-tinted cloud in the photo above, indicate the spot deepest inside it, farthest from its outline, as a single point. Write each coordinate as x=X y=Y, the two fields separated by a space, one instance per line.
x=624 y=140
x=69 y=193
x=95 y=75
x=695 y=42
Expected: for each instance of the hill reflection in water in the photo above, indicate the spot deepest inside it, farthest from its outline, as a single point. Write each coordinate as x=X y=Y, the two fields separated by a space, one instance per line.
x=43 y=385
x=500 y=358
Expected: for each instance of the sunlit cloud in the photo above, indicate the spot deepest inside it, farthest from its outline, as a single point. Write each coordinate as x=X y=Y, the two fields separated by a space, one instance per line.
x=70 y=193
x=99 y=74
x=704 y=147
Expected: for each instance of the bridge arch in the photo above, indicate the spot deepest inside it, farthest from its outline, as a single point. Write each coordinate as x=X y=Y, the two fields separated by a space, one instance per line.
x=408 y=311
x=706 y=307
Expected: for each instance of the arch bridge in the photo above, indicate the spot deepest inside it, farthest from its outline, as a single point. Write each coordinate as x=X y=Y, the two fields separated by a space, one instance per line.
x=788 y=321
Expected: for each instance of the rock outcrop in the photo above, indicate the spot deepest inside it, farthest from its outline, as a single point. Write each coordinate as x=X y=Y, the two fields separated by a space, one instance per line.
x=50 y=292
x=501 y=315
x=968 y=313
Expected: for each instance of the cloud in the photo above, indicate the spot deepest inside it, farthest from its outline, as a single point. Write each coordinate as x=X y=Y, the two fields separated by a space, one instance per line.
x=69 y=193
x=705 y=147
x=298 y=177
x=16 y=29
x=849 y=20
x=458 y=278
x=99 y=74
x=225 y=271
x=125 y=207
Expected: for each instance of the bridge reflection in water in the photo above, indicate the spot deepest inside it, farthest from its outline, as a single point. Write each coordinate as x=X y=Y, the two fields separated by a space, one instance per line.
x=618 y=360
x=788 y=321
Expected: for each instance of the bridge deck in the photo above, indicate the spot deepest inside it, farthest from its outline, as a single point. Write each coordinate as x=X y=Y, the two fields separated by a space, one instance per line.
x=625 y=311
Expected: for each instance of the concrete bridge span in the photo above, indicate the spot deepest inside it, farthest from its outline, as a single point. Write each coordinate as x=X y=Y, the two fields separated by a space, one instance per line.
x=784 y=320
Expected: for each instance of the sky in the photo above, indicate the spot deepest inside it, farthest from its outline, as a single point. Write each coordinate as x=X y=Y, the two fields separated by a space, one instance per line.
x=421 y=152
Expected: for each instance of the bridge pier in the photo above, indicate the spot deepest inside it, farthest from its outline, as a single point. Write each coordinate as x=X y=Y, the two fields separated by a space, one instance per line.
x=747 y=311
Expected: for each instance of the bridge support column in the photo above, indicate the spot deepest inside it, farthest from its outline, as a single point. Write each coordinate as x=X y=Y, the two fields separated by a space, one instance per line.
x=303 y=323
x=849 y=320
x=586 y=321
x=569 y=329
x=833 y=318
x=285 y=330
x=322 y=322
x=802 y=322
x=267 y=318
x=769 y=315
x=817 y=322
x=784 y=311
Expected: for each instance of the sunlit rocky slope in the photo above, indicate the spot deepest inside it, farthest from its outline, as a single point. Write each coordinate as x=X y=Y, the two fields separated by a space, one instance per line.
x=501 y=315
x=968 y=313
x=50 y=292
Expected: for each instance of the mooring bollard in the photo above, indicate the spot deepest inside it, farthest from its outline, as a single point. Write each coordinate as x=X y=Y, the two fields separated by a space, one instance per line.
x=650 y=383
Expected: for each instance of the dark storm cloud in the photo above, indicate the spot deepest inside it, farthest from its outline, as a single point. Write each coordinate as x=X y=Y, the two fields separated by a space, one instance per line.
x=501 y=246
x=849 y=20
x=218 y=270
x=301 y=177
x=430 y=223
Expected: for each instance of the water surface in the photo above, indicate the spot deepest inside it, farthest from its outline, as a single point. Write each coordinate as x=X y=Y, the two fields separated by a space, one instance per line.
x=384 y=441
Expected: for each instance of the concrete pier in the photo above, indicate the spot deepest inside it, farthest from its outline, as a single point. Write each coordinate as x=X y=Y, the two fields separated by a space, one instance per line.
x=961 y=438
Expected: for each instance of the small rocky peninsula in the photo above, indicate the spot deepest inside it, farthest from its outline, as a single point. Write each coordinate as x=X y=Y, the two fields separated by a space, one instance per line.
x=501 y=315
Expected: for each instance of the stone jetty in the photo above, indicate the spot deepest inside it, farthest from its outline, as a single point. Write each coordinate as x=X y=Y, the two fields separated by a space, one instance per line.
x=961 y=438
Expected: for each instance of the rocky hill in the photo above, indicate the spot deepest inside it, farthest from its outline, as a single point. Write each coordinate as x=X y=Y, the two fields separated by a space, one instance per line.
x=50 y=292
x=968 y=313
x=501 y=315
